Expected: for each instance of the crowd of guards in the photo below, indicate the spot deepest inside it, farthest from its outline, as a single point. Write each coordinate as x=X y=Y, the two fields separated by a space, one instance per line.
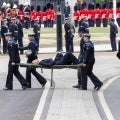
x=28 y=14
x=98 y=14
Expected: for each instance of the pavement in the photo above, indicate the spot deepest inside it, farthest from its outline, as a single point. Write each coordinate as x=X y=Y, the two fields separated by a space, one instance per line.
x=101 y=47
x=66 y=102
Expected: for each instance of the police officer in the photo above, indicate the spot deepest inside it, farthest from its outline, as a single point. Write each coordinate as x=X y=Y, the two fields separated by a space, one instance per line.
x=12 y=67
x=68 y=35
x=20 y=33
x=32 y=55
x=4 y=29
x=113 y=32
x=36 y=30
x=81 y=32
x=88 y=62
x=14 y=28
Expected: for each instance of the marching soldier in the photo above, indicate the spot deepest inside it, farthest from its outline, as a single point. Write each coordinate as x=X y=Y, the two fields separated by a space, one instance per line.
x=4 y=29
x=52 y=16
x=110 y=11
x=13 y=69
x=76 y=16
x=32 y=55
x=98 y=15
x=44 y=17
x=21 y=14
x=104 y=13
x=39 y=15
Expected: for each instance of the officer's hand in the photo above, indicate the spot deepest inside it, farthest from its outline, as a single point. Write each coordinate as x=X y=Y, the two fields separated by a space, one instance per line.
x=13 y=63
x=84 y=65
x=36 y=62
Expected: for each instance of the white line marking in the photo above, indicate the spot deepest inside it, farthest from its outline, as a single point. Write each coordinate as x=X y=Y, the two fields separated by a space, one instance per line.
x=42 y=102
x=103 y=101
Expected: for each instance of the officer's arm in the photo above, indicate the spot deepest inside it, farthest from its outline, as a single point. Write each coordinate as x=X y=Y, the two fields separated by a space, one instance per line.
x=33 y=50
x=86 y=54
x=23 y=48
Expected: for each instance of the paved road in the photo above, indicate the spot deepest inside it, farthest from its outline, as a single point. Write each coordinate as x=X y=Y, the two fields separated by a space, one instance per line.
x=66 y=103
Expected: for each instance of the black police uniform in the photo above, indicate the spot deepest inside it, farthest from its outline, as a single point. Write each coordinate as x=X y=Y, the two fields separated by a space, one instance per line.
x=4 y=29
x=32 y=46
x=68 y=37
x=36 y=30
x=67 y=11
x=113 y=32
x=14 y=69
x=20 y=35
x=89 y=60
x=14 y=30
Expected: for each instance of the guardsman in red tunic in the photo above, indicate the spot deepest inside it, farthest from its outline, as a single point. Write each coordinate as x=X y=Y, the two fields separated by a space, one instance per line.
x=110 y=11
x=76 y=16
x=104 y=12
x=48 y=15
x=52 y=15
x=118 y=13
x=32 y=15
x=90 y=14
x=39 y=15
x=21 y=14
x=44 y=16
x=98 y=15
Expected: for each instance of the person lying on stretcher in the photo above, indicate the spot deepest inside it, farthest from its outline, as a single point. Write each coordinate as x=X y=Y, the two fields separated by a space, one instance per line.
x=60 y=59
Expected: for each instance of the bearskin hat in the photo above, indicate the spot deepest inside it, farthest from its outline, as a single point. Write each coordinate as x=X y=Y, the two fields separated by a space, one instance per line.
x=104 y=6
x=110 y=5
x=75 y=8
x=51 y=6
x=21 y=7
x=48 y=5
x=98 y=5
x=44 y=8
x=38 y=8
x=118 y=4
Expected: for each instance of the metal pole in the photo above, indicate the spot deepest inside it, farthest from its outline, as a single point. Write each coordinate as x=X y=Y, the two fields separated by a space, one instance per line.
x=59 y=27
x=114 y=11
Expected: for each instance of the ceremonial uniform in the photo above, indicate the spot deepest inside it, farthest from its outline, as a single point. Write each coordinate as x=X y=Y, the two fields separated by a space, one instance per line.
x=32 y=16
x=21 y=14
x=44 y=17
x=32 y=47
x=98 y=15
x=76 y=16
x=52 y=16
x=13 y=69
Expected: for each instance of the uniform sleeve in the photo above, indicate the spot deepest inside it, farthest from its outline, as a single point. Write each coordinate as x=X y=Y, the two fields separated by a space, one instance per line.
x=33 y=50
x=86 y=54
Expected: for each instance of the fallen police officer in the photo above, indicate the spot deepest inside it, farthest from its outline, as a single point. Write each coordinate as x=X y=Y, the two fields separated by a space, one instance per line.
x=69 y=58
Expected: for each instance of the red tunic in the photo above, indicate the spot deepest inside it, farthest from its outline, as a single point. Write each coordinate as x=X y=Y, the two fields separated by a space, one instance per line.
x=21 y=14
x=110 y=13
x=118 y=12
x=48 y=12
x=83 y=13
x=39 y=15
x=44 y=16
x=76 y=15
x=104 y=13
x=98 y=14
x=32 y=15
x=52 y=15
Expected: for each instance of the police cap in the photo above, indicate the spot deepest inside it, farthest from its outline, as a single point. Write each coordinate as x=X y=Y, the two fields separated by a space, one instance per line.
x=31 y=34
x=81 y=29
x=8 y=34
x=87 y=35
x=67 y=18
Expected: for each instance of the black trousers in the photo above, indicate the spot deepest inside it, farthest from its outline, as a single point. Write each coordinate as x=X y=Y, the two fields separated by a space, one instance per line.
x=87 y=72
x=14 y=70
x=48 y=23
x=69 y=44
x=20 y=43
x=105 y=22
x=32 y=23
x=98 y=23
x=40 y=78
x=118 y=21
x=113 y=43
x=45 y=24
x=76 y=23
x=4 y=46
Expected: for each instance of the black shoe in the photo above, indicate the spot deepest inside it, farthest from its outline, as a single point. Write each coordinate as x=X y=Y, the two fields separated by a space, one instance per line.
x=77 y=86
x=6 y=88
x=44 y=84
x=98 y=87
x=24 y=87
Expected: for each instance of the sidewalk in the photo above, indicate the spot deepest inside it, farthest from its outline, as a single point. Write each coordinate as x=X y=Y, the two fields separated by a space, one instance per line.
x=103 y=47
